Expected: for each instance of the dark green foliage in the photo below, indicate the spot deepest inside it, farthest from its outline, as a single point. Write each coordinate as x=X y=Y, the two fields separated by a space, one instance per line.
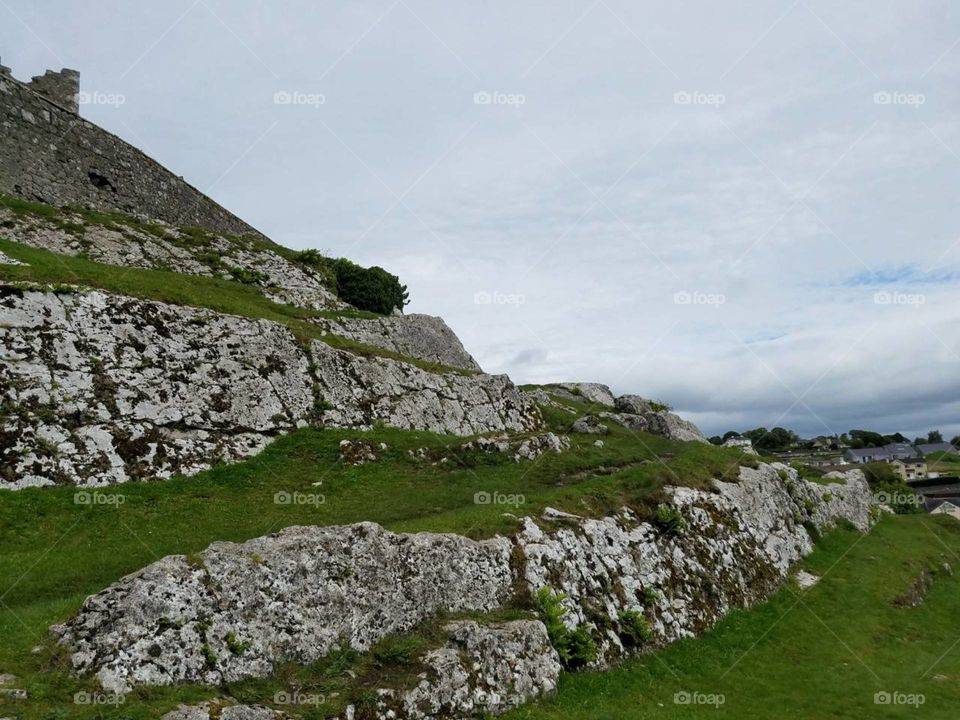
x=397 y=650
x=372 y=289
x=776 y=439
x=669 y=520
x=634 y=629
x=247 y=277
x=576 y=648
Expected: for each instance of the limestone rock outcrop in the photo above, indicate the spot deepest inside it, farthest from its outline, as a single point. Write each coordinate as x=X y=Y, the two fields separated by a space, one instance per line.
x=734 y=548
x=237 y=610
x=419 y=336
x=106 y=388
x=594 y=393
x=482 y=670
x=359 y=391
x=660 y=421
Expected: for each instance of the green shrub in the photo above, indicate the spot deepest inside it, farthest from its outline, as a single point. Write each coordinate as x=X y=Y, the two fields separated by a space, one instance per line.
x=669 y=520
x=372 y=289
x=576 y=648
x=397 y=651
x=634 y=629
x=247 y=277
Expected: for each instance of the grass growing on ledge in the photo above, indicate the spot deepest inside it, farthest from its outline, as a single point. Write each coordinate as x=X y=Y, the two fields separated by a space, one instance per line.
x=223 y=296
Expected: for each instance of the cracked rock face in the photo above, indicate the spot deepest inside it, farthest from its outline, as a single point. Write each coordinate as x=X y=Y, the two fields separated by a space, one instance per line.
x=294 y=596
x=735 y=549
x=108 y=389
x=658 y=420
x=420 y=336
x=482 y=670
x=594 y=393
x=360 y=391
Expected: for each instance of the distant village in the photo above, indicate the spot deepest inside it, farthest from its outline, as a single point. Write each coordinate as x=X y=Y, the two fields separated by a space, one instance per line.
x=929 y=467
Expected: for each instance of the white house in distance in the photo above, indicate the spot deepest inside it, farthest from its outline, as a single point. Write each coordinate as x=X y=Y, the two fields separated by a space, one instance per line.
x=944 y=506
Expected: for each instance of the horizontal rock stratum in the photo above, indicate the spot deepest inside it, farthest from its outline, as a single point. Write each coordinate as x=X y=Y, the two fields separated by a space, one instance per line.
x=107 y=388
x=298 y=594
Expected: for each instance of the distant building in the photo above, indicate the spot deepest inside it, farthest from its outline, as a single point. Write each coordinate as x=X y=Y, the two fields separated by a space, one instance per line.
x=744 y=443
x=910 y=468
x=945 y=506
x=927 y=448
x=887 y=453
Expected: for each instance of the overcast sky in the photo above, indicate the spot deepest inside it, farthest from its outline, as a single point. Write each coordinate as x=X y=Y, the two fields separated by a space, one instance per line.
x=748 y=210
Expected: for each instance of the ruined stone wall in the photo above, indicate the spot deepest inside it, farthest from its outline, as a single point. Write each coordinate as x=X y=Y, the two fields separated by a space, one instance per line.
x=50 y=154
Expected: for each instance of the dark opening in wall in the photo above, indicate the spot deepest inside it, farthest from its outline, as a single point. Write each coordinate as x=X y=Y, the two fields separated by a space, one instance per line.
x=100 y=182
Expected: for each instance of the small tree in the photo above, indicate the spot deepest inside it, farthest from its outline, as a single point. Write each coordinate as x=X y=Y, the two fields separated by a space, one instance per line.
x=935 y=436
x=372 y=289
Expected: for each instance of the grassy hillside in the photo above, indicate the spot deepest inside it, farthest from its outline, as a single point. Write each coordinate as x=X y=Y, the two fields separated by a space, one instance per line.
x=820 y=653
x=54 y=552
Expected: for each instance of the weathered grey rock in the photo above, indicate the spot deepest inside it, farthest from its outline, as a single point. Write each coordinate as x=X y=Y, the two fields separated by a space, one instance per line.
x=218 y=711
x=589 y=425
x=420 y=336
x=360 y=391
x=637 y=423
x=674 y=427
x=741 y=443
x=293 y=596
x=588 y=392
x=108 y=389
x=735 y=549
x=659 y=420
x=534 y=447
x=482 y=670
x=7 y=260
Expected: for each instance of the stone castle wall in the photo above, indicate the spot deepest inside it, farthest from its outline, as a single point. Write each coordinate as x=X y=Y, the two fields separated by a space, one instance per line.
x=50 y=154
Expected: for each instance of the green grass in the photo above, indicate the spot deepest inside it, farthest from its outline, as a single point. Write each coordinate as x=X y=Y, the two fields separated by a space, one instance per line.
x=223 y=296
x=822 y=653
x=54 y=552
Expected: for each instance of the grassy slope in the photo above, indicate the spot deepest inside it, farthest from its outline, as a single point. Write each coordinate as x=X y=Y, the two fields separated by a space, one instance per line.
x=822 y=653
x=53 y=552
